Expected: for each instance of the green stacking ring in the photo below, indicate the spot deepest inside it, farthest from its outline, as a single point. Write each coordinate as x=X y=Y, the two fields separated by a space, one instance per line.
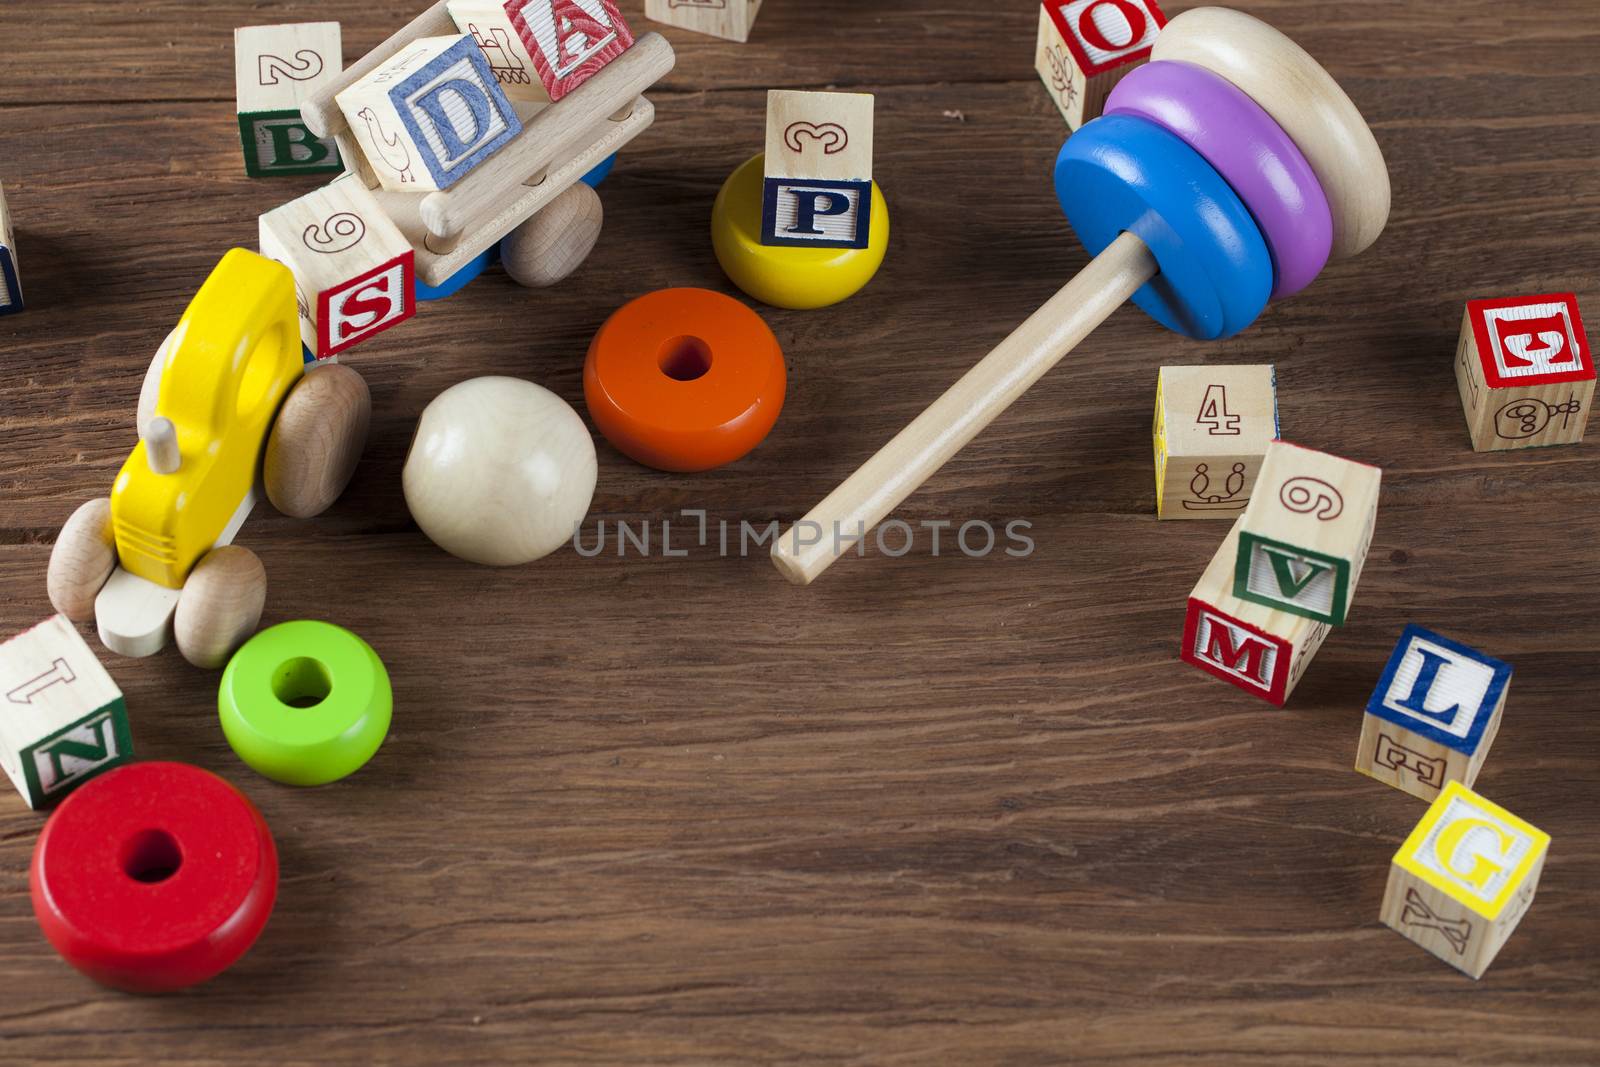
x=305 y=703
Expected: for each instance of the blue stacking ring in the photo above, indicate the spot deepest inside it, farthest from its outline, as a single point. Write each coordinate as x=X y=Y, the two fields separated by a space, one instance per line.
x=1120 y=173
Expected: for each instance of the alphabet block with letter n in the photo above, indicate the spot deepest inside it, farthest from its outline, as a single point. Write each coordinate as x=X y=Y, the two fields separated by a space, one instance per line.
x=1434 y=714
x=430 y=114
x=732 y=20
x=818 y=170
x=62 y=718
x=1304 y=537
x=1525 y=372
x=276 y=69
x=1464 y=879
x=1262 y=651
x=354 y=271
x=1086 y=46
x=1212 y=428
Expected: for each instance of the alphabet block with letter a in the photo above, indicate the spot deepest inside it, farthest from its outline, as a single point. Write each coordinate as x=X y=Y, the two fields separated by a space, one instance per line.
x=354 y=271
x=1212 y=427
x=429 y=115
x=818 y=170
x=10 y=279
x=1262 y=651
x=276 y=69
x=489 y=24
x=1434 y=714
x=1464 y=879
x=1305 y=534
x=62 y=719
x=1086 y=46
x=732 y=20
x=570 y=40
x=1525 y=372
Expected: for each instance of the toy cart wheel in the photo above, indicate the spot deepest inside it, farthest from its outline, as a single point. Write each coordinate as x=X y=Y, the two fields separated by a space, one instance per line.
x=317 y=440
x=556 y=241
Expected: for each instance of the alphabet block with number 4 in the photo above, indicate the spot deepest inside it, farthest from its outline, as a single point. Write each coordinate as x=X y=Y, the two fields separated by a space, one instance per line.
x=276 y=69
x=62 y=718
x=1212 y=427
x=818 y=170
x=1086 y=46
x=1525 y=372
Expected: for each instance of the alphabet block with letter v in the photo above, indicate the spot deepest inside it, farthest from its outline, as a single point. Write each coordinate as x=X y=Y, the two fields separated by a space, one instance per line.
x=818 y=170
x=1464 y=879
x=1434 y=715
x=62 y=718
x=1212 y=428
x=1525 y=372
x=276 y=69
x=1086 y=46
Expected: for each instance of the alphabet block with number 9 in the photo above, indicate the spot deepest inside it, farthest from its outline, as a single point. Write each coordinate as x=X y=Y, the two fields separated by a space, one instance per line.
x=1086 y=46
x=62 y=718
x=1212 y=427
x=1525 y=372
x=276 y=69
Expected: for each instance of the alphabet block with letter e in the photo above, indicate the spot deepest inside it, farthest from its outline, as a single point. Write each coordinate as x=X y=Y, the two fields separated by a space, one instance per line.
x=1086 y=46
x=1212 y=428
x=570 y=40
x=1434 y=714
x=1304 y=537
x=10 y=279
x=818 y=190
x=430 y=114
x=732 y=20
x=62 y=719
x=1262 y=651
x=277 y=68
x=354 y=271
x=489 y=24
x=1464 y=879
x=1525 y=372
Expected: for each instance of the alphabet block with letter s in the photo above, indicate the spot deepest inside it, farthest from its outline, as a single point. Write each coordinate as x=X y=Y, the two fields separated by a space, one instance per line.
x=818 y=170
x=1086 y=46
x=276 y=69
x=1525 y=372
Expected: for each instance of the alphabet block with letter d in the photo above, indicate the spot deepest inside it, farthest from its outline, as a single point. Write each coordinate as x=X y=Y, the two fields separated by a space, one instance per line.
x=818 y=170
x=276 y=69
x=62 y=719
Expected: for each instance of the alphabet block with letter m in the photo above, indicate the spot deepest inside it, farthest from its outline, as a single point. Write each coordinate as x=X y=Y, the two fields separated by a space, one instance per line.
x=1434 y=714
x=62 y=719
x=1464 y=879
x=1525 y=372
x=818 y=170
x=276 y=69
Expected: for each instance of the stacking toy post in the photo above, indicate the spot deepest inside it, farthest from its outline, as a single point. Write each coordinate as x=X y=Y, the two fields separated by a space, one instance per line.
x=1227 y=178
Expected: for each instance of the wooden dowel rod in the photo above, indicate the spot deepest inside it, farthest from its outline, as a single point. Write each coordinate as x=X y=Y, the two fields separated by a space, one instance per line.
x=808 y=547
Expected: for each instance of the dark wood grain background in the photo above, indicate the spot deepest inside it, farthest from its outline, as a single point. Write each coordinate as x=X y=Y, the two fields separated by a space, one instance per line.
x=930 y=810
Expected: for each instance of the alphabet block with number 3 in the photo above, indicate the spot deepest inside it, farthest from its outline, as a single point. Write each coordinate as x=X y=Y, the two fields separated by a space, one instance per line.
x=818 y=170
x=277 y=68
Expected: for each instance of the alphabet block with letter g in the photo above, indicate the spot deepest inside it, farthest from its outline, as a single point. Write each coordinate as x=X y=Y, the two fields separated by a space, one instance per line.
x=1525 y=372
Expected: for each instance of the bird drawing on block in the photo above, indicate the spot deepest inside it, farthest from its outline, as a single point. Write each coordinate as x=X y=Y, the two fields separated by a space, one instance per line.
x=394 y=153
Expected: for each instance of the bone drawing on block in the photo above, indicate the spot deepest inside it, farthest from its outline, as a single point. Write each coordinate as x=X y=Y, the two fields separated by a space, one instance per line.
x=10 y=279
x=1086 y=46
x=276 y=69
x=732 y=20
x=1525 y=372
x=1464 y=879
x=818 y=191
x=62 y=718
x=1212 y=428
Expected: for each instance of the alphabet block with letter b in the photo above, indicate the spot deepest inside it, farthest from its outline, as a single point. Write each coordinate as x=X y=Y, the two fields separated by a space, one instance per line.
x=1212 y=428
x=430 y=114
x=1464 y=879
x=1525 y=372
x=1434 y=714
x=818 y=172
x=1086 y=46
x=276 y=69
x=62 y=718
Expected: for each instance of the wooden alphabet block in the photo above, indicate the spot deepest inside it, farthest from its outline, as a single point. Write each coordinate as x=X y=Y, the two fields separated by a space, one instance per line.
x=818 y=190
x=1304 y=537
x=489 y=25
x=1212 y=427
x=570 y=40
x=354 y=270
x=276 y=69
x=1086 y=46
x=429 y=115
x=1525 y=372
x=1434 y=714
x=1464 y=879
x=732 y=20
x=10 y=279
x=62 y=719
x=1262 y=651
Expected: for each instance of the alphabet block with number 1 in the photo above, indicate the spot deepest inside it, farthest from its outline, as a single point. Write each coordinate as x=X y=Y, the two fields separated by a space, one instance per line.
x=1086 y=46
x=818 y=170
x=276 y=69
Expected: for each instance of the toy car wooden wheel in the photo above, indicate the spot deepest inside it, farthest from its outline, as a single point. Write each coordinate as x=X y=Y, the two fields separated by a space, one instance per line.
x=556 y=241
x=317 y=440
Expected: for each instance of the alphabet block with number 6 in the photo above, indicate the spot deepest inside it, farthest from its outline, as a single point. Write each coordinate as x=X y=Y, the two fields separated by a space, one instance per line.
x=1212 y=427
x=276 y=69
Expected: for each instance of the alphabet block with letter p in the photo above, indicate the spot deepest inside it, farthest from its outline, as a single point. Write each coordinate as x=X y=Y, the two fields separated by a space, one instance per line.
x=818 y=170
x=1464 y=879
x=1525 y=372
x=62 y=718
x=1086 y=46
x=276 y=69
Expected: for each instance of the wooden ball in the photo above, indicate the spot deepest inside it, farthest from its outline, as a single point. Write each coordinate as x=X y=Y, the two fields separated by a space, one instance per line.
x=317 y=440
x=83 y=558
x=220 y=605
x=500 y=472
x=556 y=241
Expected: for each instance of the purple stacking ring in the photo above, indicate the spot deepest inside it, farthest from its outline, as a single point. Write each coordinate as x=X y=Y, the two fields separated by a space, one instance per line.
x=1255 y=157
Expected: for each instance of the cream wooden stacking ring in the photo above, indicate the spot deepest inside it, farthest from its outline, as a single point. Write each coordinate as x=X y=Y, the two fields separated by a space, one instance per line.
x=1303 y=99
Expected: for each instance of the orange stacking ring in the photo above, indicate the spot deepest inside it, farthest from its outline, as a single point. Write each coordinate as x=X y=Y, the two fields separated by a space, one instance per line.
x=684 y=380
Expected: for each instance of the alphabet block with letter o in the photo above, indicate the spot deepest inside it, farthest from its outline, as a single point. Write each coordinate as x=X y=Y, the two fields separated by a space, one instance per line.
x=430 y=115
x=818 y=170
x=62 y=718
x=1525 y=372
x=1086 y=46
x=1464 y=879
x=276 y=69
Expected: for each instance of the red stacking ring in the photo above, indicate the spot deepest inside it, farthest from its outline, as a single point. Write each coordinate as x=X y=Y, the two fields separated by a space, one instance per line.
x=154 y=876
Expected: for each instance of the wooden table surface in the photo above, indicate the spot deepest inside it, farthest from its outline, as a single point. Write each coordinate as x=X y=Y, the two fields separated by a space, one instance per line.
x=929 y=810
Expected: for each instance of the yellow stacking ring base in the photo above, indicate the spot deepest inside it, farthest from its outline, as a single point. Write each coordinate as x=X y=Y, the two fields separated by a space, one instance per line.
x=800 y=278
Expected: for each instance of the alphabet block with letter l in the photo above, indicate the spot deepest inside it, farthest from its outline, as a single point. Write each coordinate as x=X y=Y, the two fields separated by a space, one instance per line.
x=1304 y=537
x=1464 y=879
x=1434 y=714
x=732 y=20
x=430 y=114
x=276 y=69
x=818 y=170
x=10 y=279
x=1086 y=46
x=1525 y=372
x=1262 y=651
x=354 y=271
x=1212 y=428
x=62 y=718
x=570 y=40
